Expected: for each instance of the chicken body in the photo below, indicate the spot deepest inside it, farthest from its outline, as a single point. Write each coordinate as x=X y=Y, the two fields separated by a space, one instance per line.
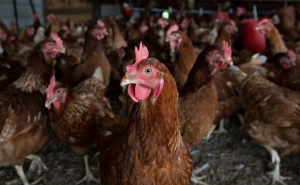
x=130 y=156
x=93 y=56
x=23 y=115
x=81 y=111
x=271 y=116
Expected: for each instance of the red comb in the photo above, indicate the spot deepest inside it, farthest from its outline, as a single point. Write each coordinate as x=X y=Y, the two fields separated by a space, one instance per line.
x=240 y=11
x=141 y=54
x=57 y=40
x=292 y=55
x=263 y=21
x=232 y=22
x=100 y=23
x=173 y=28
x=50 y=88
x=65 y=28
x=227 y=50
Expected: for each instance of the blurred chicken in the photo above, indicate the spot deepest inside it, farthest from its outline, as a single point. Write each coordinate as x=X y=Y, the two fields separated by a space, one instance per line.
x=23 y=115
x=198 y=100
x=271 y=116
x=182 y=53
x=93 y=56
x=78 y=112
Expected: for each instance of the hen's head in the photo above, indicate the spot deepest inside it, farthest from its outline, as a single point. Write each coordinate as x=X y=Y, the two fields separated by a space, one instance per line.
x=163 y=22
x=264 y=26
x=185 y=23
x=284 y=60
x=143 y=76
x=173 y=36
x=53 y=47
x=50 y=18
x=30 y=31
x=230 y=27
x=220 y=57
x=99 y=31
x=56 y=94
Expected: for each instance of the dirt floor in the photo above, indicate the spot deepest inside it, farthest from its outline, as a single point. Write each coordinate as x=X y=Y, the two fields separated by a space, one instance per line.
x=227 y=159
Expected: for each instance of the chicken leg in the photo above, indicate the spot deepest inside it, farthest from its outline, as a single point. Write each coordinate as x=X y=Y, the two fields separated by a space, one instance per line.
x=241 y=118
x=276 y=177
x=21 y=174
x=198 y=180
x=88 y=174
x=211 y=130
x=221 y=129
x=36 y=163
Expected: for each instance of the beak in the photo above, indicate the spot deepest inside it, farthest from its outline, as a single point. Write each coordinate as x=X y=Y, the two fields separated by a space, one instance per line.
x=49 y=101
x=229 y=62
x=257 y=28
x=167 y=39
x=126 y=81
x=61 y=49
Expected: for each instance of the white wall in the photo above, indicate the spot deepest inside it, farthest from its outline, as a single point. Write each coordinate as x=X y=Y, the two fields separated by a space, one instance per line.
x=24 y=12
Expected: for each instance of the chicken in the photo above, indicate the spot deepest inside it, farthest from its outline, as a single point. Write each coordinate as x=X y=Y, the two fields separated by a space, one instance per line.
x=114 y=40
x=54 y=24
x=77 y=112
x=198 y=100
x=229 y=101
x=23 y=115
x=271 y=116
x=290 y=32
x=275 y=42
x=185 y=56
x=93 y=56
x=129 y=155
x=225 y=31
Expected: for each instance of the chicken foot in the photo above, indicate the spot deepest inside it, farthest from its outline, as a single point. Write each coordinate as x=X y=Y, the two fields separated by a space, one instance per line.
x=221 y=129
x=198 y=180
x=211 y=130
x=276 y=177
x=21 y=174
x=88 y=174
x=36 y=163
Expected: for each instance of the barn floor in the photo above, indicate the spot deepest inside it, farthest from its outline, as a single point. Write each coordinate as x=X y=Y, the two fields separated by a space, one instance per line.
x=227 y=159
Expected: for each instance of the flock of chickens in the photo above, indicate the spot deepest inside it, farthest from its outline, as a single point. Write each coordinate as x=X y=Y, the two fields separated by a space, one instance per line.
x=184 y=77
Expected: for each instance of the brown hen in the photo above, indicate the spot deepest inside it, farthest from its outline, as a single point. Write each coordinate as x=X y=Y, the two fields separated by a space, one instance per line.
x=271 y=116
x=150 y=150
x=23 y=115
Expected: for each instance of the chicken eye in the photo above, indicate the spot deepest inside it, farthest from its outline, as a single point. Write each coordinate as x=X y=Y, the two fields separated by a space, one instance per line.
x=50 y=44
x=58 y=91
x=218 y=53
x=148 y=71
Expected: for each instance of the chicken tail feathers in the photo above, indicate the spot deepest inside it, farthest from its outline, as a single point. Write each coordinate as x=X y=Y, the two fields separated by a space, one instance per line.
x=98 y=74
x=238 y=73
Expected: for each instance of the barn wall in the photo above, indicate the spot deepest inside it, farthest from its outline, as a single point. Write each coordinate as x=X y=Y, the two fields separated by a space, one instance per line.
x=24 y=11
